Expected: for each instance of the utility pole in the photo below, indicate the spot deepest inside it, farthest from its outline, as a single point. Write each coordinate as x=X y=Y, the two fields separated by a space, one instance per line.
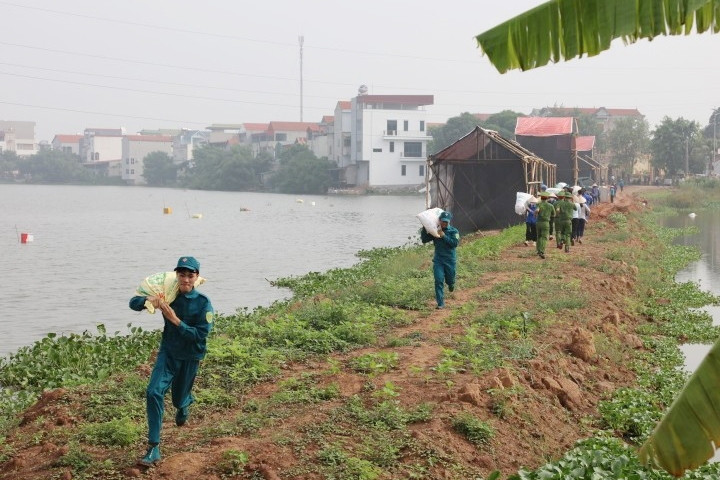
x=301 y=39
x=715 y=112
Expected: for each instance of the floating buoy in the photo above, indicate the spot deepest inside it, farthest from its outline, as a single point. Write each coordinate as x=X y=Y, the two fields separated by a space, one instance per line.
x=26 y=237
x=244 y=209
x=313 y=204
x=167 y=210
x=197 y=215
x=692 y=215
x=299 y=200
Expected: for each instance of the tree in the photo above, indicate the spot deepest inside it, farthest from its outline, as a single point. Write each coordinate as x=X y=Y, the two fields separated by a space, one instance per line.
x=453 y=130
x=671 y=141
x=8 y=165
x=215 y=168
x=564 y=29
x=628 y=140
x=504 y=123
x=300 y=171
x=159 y=169
x=54 y=166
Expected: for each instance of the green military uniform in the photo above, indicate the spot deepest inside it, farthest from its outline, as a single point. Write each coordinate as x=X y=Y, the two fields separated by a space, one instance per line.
x=563 y=214
x=545 y=215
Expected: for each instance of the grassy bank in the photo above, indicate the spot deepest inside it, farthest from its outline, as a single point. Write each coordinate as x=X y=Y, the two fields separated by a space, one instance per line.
x=358 y=377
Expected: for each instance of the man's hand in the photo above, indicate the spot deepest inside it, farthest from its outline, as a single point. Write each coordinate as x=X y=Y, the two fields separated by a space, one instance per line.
x=154 y=300
x=440 y=232
x=169 y=313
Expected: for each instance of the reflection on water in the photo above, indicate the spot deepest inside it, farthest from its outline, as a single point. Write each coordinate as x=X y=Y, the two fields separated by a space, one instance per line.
x=93 y=245
x=705 y=272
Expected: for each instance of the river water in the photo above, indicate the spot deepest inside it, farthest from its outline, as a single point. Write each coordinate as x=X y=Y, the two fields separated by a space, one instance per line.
x=706 y=271
x=93 y=245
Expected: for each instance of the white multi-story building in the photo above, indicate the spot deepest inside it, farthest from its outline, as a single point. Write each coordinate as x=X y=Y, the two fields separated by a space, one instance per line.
x=101 y=144
x=134 y=150
x=388 y=140
x=18 y=137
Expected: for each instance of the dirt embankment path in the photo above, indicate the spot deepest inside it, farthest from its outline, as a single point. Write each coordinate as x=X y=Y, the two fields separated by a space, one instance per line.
x=538 y=407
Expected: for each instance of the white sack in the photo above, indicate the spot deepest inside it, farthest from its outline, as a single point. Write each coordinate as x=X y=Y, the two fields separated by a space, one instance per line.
x=430 y=219
x=521 y=201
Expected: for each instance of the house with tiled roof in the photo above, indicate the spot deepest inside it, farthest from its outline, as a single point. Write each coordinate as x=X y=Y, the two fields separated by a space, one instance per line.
x=249 y=129
x=606 y=117
x=67 y=143
x=135 y=148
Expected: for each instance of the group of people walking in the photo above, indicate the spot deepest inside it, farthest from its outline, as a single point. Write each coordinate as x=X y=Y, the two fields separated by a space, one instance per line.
x=564 y=212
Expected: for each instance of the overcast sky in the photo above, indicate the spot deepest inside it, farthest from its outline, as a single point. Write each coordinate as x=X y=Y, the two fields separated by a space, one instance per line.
x=146 y=64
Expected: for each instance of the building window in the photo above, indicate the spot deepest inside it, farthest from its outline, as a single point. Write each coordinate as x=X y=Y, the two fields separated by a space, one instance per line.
x=97 y=156
x=392 y=127
x=403 y=170
x=127 y=171
x=413 y=149
x=405 y=125
x=132 y=161
x=422 y=125
x=377 y=150
x=346 y=142
x=421 y=170
x=392 y=147
x=24 y=146
x=132 y=171
x=67 y=149
x=281 y=137
x=127 y=161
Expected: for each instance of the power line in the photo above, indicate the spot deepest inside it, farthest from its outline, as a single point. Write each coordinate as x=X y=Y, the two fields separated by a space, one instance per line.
x=151 y=92
x=231 y=37
x=155 y=64
x=159 y=82
x=72 y=110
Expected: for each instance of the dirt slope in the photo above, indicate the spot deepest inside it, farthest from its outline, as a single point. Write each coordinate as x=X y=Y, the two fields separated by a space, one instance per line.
x=546 y=396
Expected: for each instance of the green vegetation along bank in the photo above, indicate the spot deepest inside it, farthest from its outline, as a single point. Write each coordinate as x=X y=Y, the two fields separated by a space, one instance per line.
x=555 y=369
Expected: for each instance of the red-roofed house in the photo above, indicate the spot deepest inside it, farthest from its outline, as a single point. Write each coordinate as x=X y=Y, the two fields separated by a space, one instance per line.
x=67 y=143
x=606 y=117
x=249 y=129
x=554 y=140
x=134 y=150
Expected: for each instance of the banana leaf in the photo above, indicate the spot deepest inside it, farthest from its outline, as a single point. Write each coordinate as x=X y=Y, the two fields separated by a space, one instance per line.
x=566 y=29
x=687 y=435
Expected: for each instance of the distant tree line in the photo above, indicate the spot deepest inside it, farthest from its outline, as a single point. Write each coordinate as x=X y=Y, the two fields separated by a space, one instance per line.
x=674 y=146
x=296 y=170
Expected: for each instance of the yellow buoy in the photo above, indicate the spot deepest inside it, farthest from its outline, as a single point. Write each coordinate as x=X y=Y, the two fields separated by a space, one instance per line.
x=197 y=215
x=167 y=210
